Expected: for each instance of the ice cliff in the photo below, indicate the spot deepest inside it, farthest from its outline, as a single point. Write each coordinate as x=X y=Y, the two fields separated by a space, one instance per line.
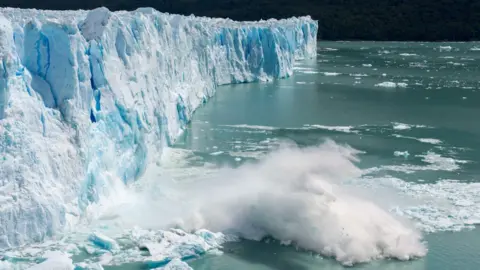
x=89 y=98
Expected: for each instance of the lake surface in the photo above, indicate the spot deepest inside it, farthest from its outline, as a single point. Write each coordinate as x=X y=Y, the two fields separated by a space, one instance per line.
x=411 y=111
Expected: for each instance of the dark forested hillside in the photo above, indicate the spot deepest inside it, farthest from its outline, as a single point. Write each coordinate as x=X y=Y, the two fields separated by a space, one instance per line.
x=338 y=19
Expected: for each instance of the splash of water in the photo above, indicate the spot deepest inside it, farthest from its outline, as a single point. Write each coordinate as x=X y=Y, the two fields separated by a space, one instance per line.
x=294 y=195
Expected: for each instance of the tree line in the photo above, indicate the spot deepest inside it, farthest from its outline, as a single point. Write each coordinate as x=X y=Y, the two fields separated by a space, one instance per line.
x=414 y=20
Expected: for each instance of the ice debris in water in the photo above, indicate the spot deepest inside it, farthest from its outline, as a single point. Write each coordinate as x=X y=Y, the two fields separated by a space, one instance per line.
x=434 y=162
x=445 y=48
x=87 y=266
x=401 y=154
x=152 y=248
x=55 y=260
x=403 y=126
x=447 y=205
x=176 y=264
x=88 y=99
x=391 y=85
x=430 y=140
x=163 y=246
x=103 y=241
x=331 y=73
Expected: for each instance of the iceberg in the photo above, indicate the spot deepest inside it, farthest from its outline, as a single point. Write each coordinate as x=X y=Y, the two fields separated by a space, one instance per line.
x=103 y=241
x=176 y=264
x=88 y=99
x=55 y=260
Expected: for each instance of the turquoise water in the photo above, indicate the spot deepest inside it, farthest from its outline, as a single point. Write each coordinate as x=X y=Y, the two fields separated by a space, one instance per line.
x=410 y=108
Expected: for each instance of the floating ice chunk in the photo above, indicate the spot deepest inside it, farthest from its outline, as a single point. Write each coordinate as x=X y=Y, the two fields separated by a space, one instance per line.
x=439 y=162
x=103 y=241
x=391 y=85
x=252 y=127
x=331 y=73
x=305 y=70
x=87 y=266
x=403 y=126
x=445 y=48
x=4 y=265
x=455 y=63
x=367 y=65
x=163 y=246
x=105 y=258
x=211 y=238
x=55 y=261
x=328 y=49
x=309 y=72
x=408 y=54
x=176 y=264
x=345 y=129
x=419 y=65
x=386 y=84
x=463 y=202
x=401 y=154
x=430 y=140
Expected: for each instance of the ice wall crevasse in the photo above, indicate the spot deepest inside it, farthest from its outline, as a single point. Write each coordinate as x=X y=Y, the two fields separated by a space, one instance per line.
x=89 y=98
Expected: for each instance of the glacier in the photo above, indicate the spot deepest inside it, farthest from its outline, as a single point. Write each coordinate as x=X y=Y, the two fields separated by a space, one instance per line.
x=88 y=99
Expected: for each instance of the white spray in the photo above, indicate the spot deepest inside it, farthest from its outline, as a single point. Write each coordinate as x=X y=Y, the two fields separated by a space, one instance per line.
x=294 y=195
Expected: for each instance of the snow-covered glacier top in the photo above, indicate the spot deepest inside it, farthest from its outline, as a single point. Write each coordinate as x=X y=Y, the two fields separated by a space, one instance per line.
x=88 y=99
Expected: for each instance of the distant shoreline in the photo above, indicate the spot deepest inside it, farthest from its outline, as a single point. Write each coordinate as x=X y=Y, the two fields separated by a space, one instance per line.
x=379 y=20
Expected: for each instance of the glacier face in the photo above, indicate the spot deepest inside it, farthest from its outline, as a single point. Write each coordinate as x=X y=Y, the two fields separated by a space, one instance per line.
x=89 y=98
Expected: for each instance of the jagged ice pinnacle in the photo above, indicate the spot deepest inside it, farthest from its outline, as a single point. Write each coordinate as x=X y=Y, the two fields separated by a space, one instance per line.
x=90 y=98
